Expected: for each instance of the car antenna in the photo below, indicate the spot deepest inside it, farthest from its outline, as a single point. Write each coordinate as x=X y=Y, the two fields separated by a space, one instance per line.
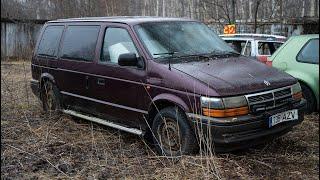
x=170 y=61
x=170 y=50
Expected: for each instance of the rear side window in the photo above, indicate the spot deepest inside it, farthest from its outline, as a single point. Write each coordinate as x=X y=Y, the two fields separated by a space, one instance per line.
x=49 y=42
x=79 y=42
x=310 y=52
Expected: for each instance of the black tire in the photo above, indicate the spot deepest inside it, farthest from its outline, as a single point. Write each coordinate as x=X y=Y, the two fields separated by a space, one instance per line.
x=172 y=122
x=311 y=100
x=50 y=97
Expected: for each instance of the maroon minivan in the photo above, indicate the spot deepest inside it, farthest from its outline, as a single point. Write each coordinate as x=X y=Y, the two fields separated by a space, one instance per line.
x=170 y=79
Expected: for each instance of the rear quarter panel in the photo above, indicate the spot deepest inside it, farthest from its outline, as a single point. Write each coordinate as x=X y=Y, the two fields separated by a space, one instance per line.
x=308 y=74
x=285 y=58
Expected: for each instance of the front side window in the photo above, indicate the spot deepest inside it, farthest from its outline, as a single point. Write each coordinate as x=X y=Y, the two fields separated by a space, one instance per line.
x=116 y=41
x=49 y=42
x=310 y=52
x=79 y=42
x=162 y=39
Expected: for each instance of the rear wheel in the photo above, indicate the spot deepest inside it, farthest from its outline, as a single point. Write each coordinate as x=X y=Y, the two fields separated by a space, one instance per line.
x=311 y=101
x=173 y=135
x=50 y=97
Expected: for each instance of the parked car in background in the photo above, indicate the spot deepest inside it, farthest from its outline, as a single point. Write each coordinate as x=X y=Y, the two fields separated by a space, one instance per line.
x=259 y=46
x=299 y=57
x=171 y=79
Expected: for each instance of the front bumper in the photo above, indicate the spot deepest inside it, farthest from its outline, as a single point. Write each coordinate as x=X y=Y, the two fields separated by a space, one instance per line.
x=245 y=131
x=34 y=84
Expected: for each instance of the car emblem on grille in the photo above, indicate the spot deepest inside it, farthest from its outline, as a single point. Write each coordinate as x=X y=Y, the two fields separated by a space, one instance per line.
x=267 y=83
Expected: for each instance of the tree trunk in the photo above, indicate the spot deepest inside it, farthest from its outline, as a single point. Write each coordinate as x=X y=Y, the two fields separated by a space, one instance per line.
x=233 y=11
x=256 y=15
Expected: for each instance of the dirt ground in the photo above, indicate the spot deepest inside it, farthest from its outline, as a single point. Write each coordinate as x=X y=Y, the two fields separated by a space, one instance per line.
x=35 y=145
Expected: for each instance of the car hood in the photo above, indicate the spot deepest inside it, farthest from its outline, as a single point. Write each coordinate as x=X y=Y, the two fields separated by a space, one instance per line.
x=235 y=75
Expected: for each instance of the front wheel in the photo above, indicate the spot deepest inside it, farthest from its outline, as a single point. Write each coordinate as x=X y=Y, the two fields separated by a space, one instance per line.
x=50 y=97
x=173 y=135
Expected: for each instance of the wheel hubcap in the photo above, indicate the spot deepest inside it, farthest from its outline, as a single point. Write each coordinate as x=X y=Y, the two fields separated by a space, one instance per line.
x=169 y=135
x=49 y=98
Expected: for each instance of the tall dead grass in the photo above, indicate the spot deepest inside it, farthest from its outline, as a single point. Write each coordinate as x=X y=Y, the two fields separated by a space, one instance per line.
x=36 y=145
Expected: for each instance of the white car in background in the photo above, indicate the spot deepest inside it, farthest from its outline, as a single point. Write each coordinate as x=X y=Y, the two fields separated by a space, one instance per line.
x=259 y=46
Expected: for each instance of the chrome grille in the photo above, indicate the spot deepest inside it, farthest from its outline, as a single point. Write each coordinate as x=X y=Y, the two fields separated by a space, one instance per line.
x=269 y=99
x=283 y=92
x=260 y=98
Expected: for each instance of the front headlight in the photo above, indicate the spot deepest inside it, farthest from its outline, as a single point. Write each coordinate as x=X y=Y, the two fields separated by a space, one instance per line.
x=233 y=102
x=296 y=88
x=224 y=107
x=214 y=103
x=296 y=91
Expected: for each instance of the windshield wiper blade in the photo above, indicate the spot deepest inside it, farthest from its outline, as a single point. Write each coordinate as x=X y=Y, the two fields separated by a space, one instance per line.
x=180 y=54
x=172 y=54
x=164 y=53
x=222 y=53
x=203 y=56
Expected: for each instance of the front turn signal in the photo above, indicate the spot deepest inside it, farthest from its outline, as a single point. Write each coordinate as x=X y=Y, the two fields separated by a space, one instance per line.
x=297 y=96
x=226 y=112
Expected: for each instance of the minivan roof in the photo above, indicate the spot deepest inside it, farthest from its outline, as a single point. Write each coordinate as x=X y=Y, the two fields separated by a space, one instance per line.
x=121 y=19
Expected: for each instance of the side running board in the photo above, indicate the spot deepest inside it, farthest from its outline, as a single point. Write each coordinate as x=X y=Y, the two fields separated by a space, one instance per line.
x=104 y=122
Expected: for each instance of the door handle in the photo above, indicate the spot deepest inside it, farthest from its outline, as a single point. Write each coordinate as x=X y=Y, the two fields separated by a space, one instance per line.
x=101 y=81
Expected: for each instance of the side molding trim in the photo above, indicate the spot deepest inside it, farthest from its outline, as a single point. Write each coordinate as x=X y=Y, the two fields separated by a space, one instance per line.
x=104 y=102
x=104 y=122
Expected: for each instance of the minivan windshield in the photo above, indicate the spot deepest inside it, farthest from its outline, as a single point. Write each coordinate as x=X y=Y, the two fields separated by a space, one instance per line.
x=181 y=38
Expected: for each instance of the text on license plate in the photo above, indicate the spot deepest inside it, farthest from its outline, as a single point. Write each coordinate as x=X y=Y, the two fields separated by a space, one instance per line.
x=290 y=115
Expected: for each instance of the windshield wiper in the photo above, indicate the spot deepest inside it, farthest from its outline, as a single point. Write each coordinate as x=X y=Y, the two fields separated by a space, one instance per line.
x=172 y=54
x=164 y=53
x=180 y=54
x=203 y=56
x=169 y=58
x=222 y=53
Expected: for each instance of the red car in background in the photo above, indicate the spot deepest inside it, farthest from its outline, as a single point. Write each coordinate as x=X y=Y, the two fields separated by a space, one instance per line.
x=260 y=46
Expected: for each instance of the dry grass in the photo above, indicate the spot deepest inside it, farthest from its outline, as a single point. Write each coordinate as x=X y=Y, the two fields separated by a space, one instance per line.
x=34 y=145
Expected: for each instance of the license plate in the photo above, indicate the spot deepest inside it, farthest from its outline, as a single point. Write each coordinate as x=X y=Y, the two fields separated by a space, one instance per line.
x=290 y=115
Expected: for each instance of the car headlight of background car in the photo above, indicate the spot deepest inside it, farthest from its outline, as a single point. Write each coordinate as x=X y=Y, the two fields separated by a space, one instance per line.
x=224 y=107
x=296 y=91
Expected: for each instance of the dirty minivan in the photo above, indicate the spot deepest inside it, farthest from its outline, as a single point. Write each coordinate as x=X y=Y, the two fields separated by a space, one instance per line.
x=171 y=79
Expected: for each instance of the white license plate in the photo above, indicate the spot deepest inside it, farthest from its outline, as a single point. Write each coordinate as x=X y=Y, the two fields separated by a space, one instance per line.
x=290 y=115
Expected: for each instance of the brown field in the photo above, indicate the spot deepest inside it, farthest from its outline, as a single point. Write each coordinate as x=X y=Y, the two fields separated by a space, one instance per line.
x=35 y=145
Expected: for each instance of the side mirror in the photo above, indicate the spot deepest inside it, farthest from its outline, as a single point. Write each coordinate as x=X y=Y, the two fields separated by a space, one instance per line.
x=128 y=59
